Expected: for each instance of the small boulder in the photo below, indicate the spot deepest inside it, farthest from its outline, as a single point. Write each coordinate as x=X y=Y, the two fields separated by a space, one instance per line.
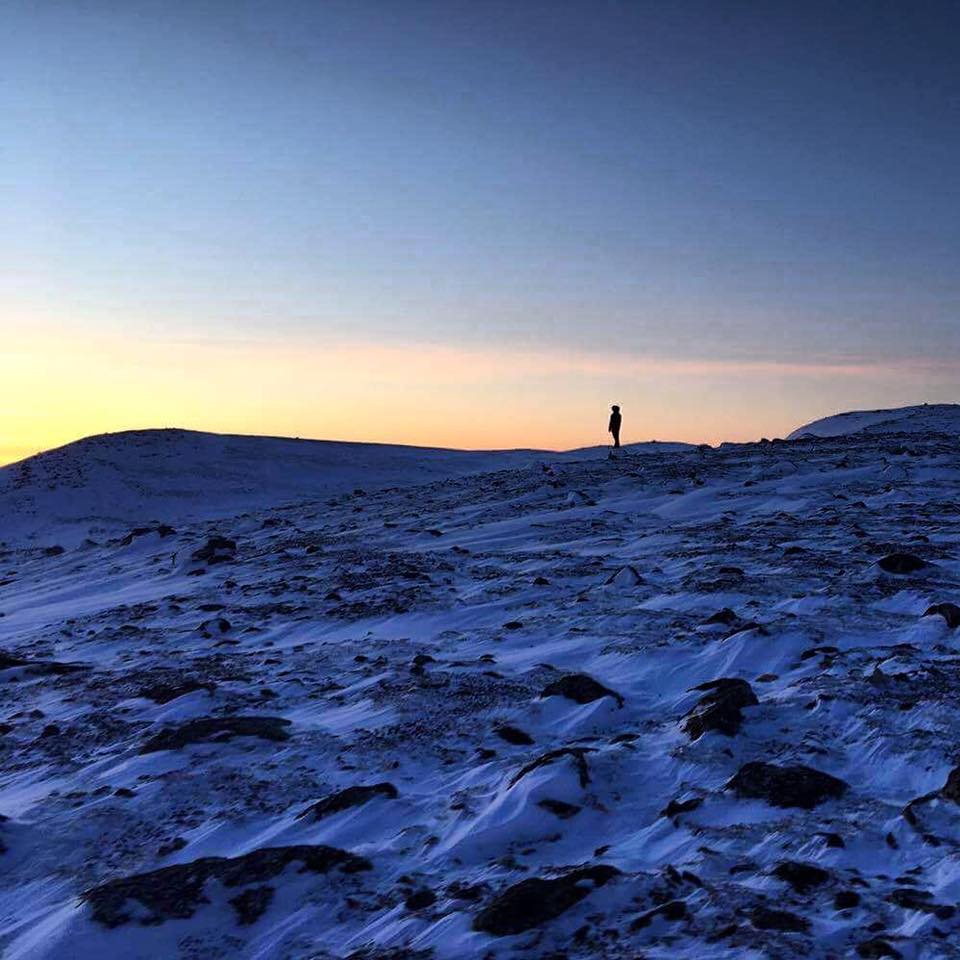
x=580 y=688
x=625 y=577
x=902 y=563
x=250 y=905
x=763 y=918
x=949 y=611
x=720 y=709
x=801 y=876
x=877 y=949
x=846 y=900
x=350 y=797
x=205 y=729
x=951 y=789
x=536 y=901
x=787 y=786
x=216 y=550
x=514 y=735
x=725 y=617
x=175 y=892
x=560 y=808
x=672 y=910
x=420 y=899
x=577 y=754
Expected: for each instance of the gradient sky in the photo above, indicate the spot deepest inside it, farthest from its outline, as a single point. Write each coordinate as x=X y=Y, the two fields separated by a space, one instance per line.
x=474 y=223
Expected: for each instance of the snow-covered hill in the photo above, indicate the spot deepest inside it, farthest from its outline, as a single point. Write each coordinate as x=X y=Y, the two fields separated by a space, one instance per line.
x=696 y=703
x=97 y=486
x=943 y=418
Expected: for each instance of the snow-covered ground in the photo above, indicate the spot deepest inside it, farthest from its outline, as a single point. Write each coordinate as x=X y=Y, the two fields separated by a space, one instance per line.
x=98 y=486
x=451 y=707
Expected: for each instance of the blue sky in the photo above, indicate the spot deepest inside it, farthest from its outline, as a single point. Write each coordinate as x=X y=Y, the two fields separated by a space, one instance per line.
x=686 y=181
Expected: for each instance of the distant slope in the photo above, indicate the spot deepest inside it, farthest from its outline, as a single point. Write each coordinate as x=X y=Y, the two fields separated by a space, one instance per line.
x=101 y=484
x=926 y=418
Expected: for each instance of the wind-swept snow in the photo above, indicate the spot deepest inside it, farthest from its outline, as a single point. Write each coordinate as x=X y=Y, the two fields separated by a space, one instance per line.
x=942 y=417
x=693 y=703
x=95 y=486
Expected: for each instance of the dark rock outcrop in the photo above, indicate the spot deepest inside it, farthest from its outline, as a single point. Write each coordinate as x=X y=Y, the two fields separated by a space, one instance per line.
x=205 y=729
x=949 y=611
x=577 y=754
x=720 y=709
x=514 y=735
x=787 y=786
x=175 y=892
x=164 y=692
x=951 y=789
x=763 y=918
x=560 y=808
x=250 y=905
x=420 y=899
x=535 y=901
x=725 y=617
x=350 y=797
x=801 y=876
x=902 y=563
x=672 y=910
x=877 y=949
x=215 y=550
x=580 y=688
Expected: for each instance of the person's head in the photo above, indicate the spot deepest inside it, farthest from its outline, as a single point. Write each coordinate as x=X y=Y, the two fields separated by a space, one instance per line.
x=615 y=408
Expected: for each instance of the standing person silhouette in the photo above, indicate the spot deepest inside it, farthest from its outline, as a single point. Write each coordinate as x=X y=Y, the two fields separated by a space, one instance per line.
x=614 y=426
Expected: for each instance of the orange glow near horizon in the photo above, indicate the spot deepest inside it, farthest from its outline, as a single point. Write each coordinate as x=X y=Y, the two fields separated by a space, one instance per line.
x=59 y=388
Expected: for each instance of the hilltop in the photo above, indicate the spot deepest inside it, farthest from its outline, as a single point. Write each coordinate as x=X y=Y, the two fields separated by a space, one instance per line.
x=691 y=703
x=99 y=485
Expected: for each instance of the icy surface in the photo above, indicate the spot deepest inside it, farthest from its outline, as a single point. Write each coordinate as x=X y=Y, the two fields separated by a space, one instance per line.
x=407 y=633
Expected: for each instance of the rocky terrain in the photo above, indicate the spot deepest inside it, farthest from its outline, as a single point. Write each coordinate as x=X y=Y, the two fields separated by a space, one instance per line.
x=687 y=702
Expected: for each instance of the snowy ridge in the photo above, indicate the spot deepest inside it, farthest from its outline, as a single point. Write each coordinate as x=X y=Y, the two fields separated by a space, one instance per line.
x=686 y=704
x=98 y=486
x=941 y=418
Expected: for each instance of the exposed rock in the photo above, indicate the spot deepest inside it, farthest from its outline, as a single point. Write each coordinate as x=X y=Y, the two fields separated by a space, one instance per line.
x=672 y=910
x=577 y=754
x=161 y=529
x=41 y=668
x=175 y=892
x=560 y=808
x=949 y=611
x=909 y=898
x=535 y=901
x=625 y=577
x=514 y=735
x=801 y=876
x=215 y=550
x=787 y=786
x=720 y=709
x=846 y=900
x=951 y=789
x=252 y=903
x=205 y=729
x=165 y=692
x=902 y=563
x=876 y=949
x=725 y=617
x=676 y=807
x=580 y=688
x=420 y=899
x=350 y=797
x=763 y=918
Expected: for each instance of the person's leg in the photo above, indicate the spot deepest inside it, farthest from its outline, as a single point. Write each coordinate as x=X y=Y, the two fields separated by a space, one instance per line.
x=616 y=438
